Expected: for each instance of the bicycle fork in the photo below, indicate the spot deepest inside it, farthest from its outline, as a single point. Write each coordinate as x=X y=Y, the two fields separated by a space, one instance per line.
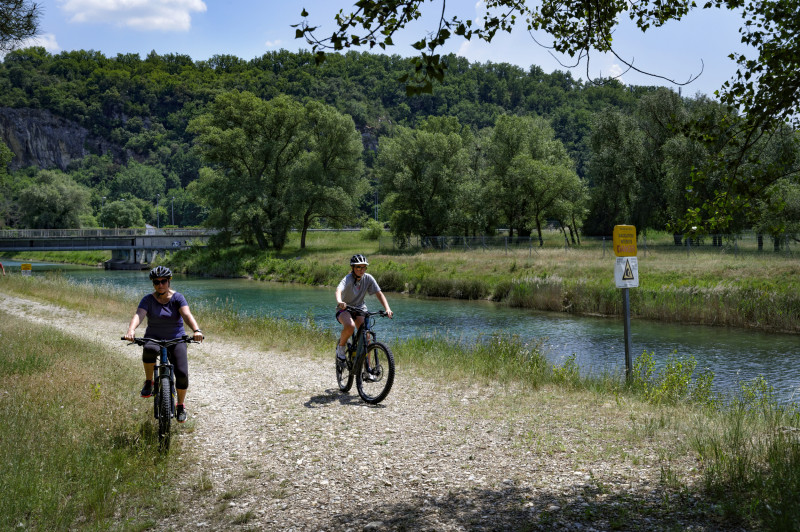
x=164 y=368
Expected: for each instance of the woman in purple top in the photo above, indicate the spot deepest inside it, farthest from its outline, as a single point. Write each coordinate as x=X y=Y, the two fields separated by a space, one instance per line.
x=166 y=312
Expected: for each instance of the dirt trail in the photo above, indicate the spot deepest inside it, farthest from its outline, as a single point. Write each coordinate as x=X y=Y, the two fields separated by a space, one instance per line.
x=284 y=450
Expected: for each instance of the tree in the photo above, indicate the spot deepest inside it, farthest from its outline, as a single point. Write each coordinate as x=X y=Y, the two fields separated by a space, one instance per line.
x=19 y=20
x=121 y=214
x=330 y=179
x=138 y=180
x=617 y=152
x=420 y=172
x=522 y=153
x=252 y=145
x=54 y=201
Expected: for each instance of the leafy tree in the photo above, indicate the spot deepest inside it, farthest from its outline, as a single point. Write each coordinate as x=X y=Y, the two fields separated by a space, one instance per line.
x=330 y=178
x=617 y=151
x=253 y=145
x=54 y=201
x=420 y=172
x=541 y=185
x=121 y=214
x=523 y=153
x=138 y=180
x=19 y=20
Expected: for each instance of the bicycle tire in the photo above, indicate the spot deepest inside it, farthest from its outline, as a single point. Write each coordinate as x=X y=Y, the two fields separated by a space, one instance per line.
x=164 y=412
x=344 y=377
x=375 y=373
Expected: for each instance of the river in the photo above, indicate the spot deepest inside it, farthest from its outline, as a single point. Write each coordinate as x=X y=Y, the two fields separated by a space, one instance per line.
x=598 y=344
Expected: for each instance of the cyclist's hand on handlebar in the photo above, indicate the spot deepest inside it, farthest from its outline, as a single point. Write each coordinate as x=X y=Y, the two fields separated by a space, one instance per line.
x=341 y=305
x=128 y=336
x=389 y=313
x=198 y=336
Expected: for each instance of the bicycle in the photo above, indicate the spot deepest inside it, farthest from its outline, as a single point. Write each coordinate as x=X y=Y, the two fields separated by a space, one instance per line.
x=163 y=386
x=369 y=361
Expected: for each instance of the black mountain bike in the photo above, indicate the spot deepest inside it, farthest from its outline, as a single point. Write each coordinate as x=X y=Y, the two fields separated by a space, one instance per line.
x=163 y=386
x=370 y=362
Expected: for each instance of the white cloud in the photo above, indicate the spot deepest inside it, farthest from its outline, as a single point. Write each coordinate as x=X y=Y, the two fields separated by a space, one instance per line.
x=616 y=71
x=273 y=44
x=164 y=15
x=47 y=40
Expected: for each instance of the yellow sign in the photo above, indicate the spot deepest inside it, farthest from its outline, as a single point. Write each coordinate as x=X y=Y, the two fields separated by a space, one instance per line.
x=624 y=241
x=26 y=268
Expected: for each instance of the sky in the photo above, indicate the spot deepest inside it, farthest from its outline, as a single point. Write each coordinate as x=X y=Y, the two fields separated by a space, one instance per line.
x=249 y=28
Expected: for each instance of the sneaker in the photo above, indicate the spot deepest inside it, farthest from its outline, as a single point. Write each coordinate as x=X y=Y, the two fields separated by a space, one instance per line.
x=147 y=390
x=341 y=353
x=180 y=413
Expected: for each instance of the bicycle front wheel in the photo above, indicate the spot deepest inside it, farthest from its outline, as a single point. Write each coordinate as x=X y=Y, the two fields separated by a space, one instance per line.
x=164 y=412
x=375 y=373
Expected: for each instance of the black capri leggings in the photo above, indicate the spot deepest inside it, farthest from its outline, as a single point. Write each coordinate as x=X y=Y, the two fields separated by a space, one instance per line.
x=177 y=354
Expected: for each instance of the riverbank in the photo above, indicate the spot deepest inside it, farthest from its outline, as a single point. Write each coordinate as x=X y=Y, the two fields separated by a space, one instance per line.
x=468 y=439
x=707 y=286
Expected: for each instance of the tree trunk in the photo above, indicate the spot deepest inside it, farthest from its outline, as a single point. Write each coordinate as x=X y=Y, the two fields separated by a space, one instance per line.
x=576 y=230
x=306 y=223
x=539 y=232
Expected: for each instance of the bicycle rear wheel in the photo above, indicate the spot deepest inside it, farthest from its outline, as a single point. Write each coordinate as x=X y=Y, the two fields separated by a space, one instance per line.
x=164 y=412
x=375 y=373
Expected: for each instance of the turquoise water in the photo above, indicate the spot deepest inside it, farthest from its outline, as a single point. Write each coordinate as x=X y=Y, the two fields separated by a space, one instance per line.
x=597 y=343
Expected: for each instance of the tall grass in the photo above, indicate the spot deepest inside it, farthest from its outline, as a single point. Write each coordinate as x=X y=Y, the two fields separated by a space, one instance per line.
x=76 y=452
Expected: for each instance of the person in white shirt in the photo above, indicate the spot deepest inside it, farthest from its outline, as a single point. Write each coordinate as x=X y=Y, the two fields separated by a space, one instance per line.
x=351 y=291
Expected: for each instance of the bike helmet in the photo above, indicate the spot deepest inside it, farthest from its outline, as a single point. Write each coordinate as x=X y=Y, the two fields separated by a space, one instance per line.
x=359 y=259
x=159 y=272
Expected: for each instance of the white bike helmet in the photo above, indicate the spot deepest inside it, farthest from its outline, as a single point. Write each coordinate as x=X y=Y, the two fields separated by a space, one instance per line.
x=357 y=260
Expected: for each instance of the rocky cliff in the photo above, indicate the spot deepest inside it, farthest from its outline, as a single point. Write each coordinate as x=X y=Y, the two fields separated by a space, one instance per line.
x=40 y=138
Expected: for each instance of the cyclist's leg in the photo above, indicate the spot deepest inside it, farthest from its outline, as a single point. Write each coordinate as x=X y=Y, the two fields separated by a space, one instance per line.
x=178 y=355
x=348 y=326
x=150 y=353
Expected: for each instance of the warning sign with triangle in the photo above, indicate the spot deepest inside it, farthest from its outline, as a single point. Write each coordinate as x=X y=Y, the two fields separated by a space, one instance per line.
x=626 y=272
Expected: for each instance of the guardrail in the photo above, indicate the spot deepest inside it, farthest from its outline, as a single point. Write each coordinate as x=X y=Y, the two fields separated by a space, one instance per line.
x=87 y=233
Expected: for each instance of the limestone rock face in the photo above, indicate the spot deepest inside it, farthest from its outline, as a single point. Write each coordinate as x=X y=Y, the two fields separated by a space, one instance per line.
x=41 y=139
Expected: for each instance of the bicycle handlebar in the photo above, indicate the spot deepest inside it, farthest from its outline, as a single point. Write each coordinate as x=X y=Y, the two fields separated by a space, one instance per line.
x=354 y=310
x=165 y=343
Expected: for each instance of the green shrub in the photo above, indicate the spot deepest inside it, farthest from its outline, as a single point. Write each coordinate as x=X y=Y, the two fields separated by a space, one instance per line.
x=372 y=230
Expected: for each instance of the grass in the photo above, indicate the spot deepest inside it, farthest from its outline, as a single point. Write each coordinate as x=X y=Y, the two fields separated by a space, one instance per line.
x=747 y=446
x=73 y=454
x=90 y=258
x=709 y=285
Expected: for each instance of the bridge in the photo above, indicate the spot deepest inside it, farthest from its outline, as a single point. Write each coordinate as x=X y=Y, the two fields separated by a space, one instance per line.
x=131 y=249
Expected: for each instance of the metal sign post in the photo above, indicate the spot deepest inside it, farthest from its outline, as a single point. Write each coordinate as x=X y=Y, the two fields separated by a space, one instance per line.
x=626 y=276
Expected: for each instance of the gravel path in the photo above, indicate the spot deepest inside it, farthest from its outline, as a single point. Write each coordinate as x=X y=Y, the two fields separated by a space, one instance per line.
x=286 y=451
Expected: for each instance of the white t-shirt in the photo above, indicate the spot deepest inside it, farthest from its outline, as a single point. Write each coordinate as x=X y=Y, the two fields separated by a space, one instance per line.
x=354 y=293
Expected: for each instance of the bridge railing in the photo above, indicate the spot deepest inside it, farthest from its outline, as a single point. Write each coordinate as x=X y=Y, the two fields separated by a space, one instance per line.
x=85 y=233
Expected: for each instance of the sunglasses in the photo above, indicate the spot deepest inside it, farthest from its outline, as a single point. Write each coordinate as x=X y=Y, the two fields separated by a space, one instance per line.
x=360 y=267
x=157 y=282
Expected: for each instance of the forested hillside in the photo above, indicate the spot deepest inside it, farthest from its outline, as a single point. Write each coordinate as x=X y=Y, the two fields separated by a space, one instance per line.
x=104 y=141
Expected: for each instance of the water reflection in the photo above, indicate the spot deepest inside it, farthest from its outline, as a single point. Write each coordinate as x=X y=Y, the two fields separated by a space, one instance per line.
x=598 y=344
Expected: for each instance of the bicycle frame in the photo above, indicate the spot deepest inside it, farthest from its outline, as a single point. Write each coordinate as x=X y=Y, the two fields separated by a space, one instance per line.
x=163 y=368
x=363 y=335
